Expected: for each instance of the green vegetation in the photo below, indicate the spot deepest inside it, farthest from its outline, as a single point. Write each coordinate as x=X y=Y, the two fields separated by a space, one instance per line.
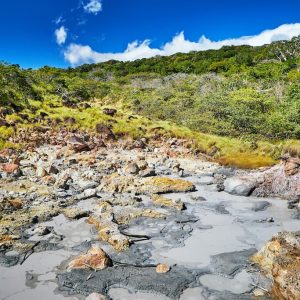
x=240 y=105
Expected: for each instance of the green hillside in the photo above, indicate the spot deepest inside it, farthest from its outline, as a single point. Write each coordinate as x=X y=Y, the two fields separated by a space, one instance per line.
x=242 y=101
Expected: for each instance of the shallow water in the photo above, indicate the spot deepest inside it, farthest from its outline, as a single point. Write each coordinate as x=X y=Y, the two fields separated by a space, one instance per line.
x=234 y=227
x=39 y=269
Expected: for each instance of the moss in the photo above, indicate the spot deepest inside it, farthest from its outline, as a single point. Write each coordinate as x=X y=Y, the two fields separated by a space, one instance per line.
x=246 y=160
x=167 y=185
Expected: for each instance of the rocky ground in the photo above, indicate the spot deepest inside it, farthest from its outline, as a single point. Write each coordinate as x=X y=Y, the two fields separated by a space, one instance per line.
x=94 y=217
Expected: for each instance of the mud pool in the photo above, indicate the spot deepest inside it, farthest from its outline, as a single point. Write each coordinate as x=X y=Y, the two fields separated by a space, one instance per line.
x=207 y=246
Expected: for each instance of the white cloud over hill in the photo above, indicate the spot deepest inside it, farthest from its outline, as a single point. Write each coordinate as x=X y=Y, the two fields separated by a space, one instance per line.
x=77 y=54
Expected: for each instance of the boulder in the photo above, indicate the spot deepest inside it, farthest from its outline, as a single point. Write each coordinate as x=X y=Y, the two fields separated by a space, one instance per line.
x=291 y=166
x=10 y=168
x=282 y=180
x=241 y=186
x=95 y=259
x=160 y=185
x=279 y=259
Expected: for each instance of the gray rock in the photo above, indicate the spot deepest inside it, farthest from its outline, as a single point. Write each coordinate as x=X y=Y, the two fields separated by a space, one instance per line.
x=261 y=205
x=241 y=186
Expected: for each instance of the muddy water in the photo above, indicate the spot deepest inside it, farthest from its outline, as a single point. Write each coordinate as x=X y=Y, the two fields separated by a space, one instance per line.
x=227 y=225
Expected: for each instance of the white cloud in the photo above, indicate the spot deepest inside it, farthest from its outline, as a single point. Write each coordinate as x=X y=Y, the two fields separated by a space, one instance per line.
x=61 y=35
x=78 y=54
x=58 y=20
x=93 y=7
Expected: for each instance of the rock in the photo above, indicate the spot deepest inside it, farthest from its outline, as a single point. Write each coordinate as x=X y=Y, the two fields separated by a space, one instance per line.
x=280 y=261
x=206 y=180
x=16 y=203
x=109 y=111
x=41 y=172
x=69 y=120
x=159 y=185
x=164 y=202
x=77 y=144
x=95 y=259
x=132 y=168
x=281 y=180
x=149 y=172
x=10 y=168
x=260 y=205
x=198 y=198
x=142 y=164
x=162 y=268
x=241 y=186
x=105 y=131
x=291 y=166
x=75 y=213
x=108 y=231
x=293 y=204
x=139 y=144
x=95 y=296
x=42 y=230
x=88 y=193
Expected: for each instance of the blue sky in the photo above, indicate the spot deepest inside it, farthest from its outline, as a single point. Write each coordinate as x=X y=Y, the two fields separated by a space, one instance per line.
x=94 y=30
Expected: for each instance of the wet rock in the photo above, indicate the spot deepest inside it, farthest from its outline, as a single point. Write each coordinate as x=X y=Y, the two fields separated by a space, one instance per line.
x=95 y=259
x=171 y=284
x=198 y=198
x=231 y=263
x=241 y=186
x=41 y=230
x=165 y=202
x=293 y=204
x=206 y=180
x=162 y=268
x=260 y=206
x=107 y=218
x=75 y=213
x=280 y=260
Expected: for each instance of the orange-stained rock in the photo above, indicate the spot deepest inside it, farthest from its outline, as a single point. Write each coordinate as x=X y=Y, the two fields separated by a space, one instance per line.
x=162 y=268
x=95 y=259
x=16 y=203
x=280 y=260
x=10 y=168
